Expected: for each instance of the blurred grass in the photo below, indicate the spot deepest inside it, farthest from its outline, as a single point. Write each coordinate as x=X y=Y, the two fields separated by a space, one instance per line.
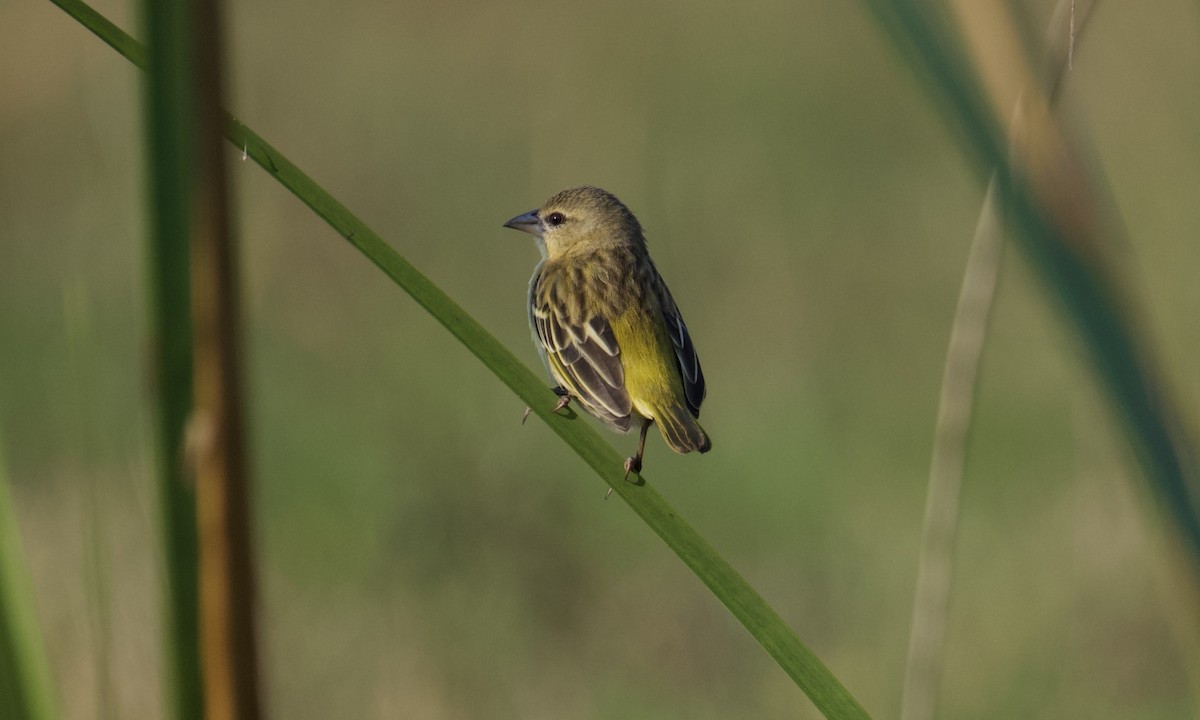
x=26 y=692
x=1059 y=217
x=803 y=202
x=170 y=124
x=935 y=571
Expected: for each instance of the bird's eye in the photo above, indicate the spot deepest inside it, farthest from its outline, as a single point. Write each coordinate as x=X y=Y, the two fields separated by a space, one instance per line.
x=555 y=219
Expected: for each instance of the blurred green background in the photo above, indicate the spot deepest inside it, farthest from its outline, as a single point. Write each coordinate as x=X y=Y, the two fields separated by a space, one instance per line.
x=422 y=554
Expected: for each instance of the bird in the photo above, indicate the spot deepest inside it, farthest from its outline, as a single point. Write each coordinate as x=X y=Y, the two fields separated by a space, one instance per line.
x=605 y=324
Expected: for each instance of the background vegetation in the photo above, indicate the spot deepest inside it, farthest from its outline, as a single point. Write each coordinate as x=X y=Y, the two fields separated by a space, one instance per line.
x=425 y=556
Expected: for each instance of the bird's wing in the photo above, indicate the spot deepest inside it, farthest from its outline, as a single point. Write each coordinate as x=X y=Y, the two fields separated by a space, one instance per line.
x=685 y=351
x=584 y=358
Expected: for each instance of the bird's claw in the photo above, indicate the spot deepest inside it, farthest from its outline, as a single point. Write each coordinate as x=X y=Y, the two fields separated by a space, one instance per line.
x=564 y=399
x=632 y=464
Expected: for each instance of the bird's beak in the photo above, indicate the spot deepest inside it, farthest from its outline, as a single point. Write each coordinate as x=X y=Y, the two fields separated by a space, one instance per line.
x=529 y=222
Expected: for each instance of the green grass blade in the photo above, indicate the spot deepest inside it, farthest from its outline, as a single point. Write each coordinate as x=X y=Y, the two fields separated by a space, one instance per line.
x=170 y=127
x=729 y=587
x=25 y=691
x=763 y=623
x=1070 y=263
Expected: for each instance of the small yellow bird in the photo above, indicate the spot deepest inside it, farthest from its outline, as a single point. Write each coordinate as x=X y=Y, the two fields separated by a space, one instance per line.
x=605 y=324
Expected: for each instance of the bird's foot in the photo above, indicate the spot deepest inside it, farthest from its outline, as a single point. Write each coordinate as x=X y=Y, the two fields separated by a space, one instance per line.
x=632 y=464
x=564 y=399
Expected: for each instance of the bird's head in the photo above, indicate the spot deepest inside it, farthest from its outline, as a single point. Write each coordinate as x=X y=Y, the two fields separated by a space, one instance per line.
x=581 y=218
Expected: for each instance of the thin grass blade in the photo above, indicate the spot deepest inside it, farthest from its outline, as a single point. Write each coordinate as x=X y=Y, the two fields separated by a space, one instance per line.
x=763 y=623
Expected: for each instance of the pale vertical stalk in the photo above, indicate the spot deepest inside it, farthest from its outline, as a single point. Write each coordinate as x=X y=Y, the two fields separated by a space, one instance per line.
x=923 y=667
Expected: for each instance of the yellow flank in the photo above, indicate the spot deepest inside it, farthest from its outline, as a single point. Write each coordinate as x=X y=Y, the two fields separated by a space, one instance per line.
x=651 y=374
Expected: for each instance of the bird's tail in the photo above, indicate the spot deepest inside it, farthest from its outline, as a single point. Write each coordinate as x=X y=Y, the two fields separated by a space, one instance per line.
x=681 y=431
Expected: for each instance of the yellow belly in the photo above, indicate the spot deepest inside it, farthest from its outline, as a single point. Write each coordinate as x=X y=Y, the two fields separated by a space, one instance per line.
x=651 y=371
